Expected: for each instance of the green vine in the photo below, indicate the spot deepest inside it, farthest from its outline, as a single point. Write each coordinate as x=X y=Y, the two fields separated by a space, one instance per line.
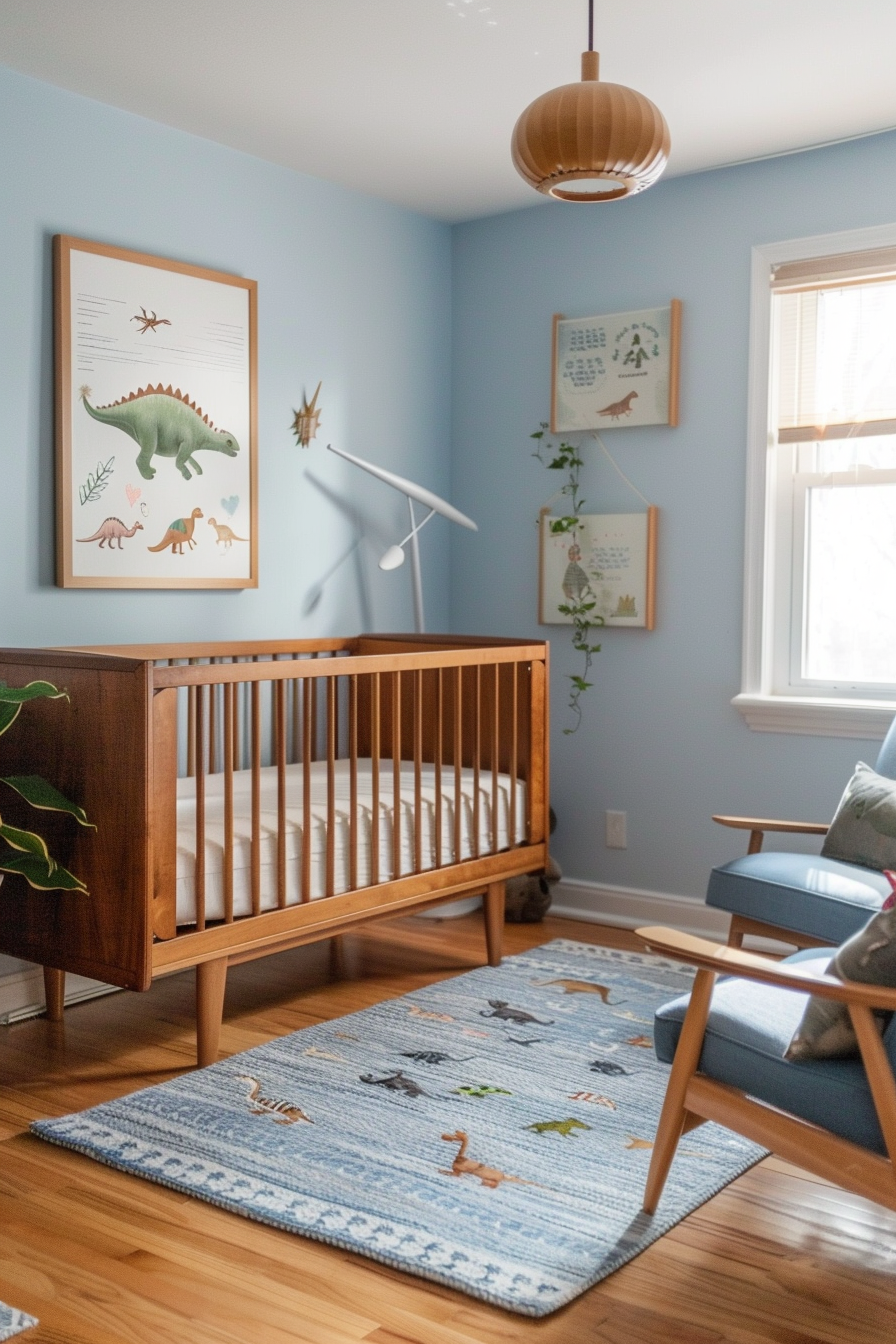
x=581 y=600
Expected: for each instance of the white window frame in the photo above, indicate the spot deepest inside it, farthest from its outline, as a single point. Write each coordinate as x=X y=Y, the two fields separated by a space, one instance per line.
x=767 y=710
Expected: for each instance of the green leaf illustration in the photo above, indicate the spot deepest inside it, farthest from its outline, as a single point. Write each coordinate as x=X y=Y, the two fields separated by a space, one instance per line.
x=40 y=794
x=28 y=842
x=39 y=874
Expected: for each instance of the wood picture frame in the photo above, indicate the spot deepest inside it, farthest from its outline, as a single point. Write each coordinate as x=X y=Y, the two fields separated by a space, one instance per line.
x=610 y=559
x=156 y=406
x=618 y=370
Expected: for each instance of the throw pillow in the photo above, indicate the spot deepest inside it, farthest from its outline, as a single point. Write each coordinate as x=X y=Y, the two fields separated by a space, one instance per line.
x=825 y=1030
x=864 y=826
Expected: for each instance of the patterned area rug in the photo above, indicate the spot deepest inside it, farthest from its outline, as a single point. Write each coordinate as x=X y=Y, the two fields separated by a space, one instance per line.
x=491 y=1132
x=13 y=1322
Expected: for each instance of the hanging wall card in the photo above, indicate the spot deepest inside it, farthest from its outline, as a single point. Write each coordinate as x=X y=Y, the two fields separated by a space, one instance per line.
x=155 y=422
x=616 y=370
x=610 y=559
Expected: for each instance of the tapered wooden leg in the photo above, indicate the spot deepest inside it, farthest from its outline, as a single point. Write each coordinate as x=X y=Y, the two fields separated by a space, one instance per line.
x=493 y=909
x=211 y=980
x=674 y=1115
x=337 y=957
x=54 y=993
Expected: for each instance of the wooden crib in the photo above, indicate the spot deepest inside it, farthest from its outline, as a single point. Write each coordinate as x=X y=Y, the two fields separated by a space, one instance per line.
x=250 y=797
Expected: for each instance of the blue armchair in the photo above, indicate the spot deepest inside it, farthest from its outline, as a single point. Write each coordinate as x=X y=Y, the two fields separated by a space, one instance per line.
x=726 y=1043
x=803 y=899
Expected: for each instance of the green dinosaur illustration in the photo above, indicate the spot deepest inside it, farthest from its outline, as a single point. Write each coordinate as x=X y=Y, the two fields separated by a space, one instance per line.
x=482 y=1090
x=564 y=1127
x=164 y=423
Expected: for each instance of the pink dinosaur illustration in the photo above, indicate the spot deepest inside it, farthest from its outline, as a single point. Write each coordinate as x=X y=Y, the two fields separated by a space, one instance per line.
x=112 y=529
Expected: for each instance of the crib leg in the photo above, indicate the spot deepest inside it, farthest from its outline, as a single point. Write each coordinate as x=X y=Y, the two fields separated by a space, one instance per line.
x=54 y=993
x=211 y=979
x=493 y=906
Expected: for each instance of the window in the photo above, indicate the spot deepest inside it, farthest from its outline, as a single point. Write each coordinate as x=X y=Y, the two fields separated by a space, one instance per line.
x=820 y=614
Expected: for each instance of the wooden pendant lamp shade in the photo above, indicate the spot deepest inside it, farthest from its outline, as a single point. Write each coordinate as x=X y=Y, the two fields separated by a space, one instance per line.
x=590 y=141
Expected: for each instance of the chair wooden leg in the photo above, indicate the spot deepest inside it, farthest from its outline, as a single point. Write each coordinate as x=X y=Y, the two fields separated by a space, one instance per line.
x=211 y=981
x=54 y=993
x=674 y=1116
x=337 y=957
x=735 y=933
x=493 y=909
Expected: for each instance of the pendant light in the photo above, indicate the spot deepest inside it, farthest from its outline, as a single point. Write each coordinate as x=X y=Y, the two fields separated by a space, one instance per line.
x=590 y=141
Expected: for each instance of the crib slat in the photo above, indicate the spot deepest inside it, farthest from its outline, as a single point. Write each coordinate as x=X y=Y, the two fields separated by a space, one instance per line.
x=418 y=771
x=237 y=740
x=307 y=710
x=353 y=784
x=191 y=730
x=332 y=687
x=440 y=709
x=514 y=747
x=212 y=730
x=314 y=685
x=458 y=757
x=496 y=761
x=280 y=757
x=296 y=722
x=477 y=757
x=230 y=696
x=375 y=780
x=396 y=775
x=199 y=728
x=255 y=704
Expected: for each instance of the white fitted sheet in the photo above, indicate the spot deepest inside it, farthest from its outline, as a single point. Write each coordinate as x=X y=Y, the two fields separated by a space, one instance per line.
x=242 y=808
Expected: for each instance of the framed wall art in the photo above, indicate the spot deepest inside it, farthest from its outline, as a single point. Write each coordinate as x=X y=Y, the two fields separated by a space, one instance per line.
x=610 y=558
x=621 y=369
x=156 y=422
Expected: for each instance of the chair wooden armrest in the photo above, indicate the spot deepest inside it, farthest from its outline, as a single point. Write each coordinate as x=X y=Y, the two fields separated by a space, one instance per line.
x=724 y=960
x=757 y=826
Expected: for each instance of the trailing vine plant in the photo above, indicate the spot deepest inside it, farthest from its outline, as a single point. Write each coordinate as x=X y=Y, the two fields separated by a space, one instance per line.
x=581 y=600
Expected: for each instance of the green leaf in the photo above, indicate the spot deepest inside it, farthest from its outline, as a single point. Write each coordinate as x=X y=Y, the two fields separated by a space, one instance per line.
x=38 y=873
x=28 y=842
x=8 y=716
x=40 y=794
x=539 y=434
x=13 y=697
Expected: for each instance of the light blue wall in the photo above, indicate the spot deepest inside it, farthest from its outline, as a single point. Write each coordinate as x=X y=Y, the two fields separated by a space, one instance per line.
x=660 y=739
x=351 y=290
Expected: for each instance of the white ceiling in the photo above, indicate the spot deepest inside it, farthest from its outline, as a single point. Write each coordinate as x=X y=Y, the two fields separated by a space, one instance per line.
x=415 y=100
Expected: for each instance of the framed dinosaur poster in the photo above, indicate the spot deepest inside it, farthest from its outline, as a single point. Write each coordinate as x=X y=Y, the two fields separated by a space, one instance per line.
x=617 y=370
x=156 y=422
x=609 y=560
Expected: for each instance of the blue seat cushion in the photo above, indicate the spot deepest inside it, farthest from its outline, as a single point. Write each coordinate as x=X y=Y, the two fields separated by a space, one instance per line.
x=823 y=897
x=749 y=1028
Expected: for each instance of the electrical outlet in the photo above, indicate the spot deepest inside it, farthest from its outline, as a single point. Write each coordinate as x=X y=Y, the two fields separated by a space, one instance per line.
x=617 y=825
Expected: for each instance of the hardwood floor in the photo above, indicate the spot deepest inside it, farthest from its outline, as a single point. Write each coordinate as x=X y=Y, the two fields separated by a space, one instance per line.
x=104 y=1258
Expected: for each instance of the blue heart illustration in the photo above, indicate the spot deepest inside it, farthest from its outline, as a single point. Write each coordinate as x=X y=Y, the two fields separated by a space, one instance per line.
x=230 y=505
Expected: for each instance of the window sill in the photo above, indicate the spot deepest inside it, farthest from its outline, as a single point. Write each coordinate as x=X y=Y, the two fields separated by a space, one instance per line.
x=815 y=715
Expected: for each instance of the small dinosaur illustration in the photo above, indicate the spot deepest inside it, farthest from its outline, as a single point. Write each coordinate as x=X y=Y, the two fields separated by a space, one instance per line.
x=112 y=529
x=180 y=531
x=148 y=323
x=643 y=1041
x=322 y=1054
x=462 y=1165
x=533 y=1040
x=503 y=1010
x=225 y=533
x=430 y=1017
x=433 y=1057
x=565 y=1127
x=608 y=1067
x=482 y=1090
x=595 y=1099
x=163 y=422
x=281 y=1112
x=581 y=987
x=618 y=408
x=638 y=1143
x=395 y=1082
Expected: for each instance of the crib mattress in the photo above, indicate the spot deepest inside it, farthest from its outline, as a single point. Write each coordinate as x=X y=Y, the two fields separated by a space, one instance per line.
x=470 y=844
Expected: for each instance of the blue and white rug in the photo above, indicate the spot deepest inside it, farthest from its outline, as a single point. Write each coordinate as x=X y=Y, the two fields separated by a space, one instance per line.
x=13 y=1322
x=491 y=1132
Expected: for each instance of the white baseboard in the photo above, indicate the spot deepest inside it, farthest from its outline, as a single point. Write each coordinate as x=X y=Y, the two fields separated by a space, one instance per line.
x=633 y=908
x=22 y=993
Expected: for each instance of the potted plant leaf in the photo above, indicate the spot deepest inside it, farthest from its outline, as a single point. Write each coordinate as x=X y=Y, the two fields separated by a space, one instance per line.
x=25 y=852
